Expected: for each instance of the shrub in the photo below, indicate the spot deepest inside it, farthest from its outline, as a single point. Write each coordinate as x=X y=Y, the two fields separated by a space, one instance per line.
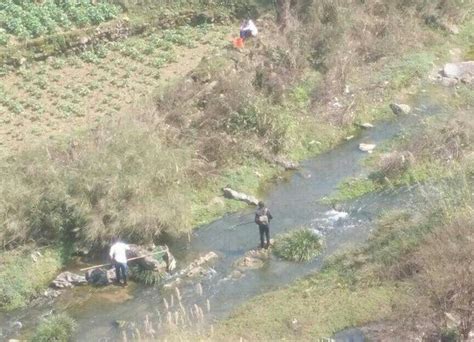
x=299 y=245
x=57 y=328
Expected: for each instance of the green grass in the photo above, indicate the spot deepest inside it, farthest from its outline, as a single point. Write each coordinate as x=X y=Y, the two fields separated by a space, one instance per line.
x=300 y=245
x=322 y=305
x=21 y=277
x=56 y=328
x=350 y=189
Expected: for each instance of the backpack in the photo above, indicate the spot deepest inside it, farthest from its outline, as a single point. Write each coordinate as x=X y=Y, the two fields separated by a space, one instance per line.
x=262 y=217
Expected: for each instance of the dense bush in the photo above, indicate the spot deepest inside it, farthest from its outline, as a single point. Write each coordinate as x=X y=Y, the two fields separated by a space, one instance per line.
x=57 y=328
x=28 y=18
x=299 y=245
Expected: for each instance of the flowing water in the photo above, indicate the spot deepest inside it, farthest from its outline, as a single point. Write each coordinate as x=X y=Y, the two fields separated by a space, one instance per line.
x=293 y=202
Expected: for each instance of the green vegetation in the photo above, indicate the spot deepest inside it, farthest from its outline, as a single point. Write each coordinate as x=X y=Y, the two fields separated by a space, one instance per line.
x=56 y=328
x=147 y=277
x=28 y=18
x=24 y=273
x=298 y=245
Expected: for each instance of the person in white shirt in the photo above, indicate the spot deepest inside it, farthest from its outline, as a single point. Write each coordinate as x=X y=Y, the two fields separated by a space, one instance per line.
x=248 y=29
x=118 y=254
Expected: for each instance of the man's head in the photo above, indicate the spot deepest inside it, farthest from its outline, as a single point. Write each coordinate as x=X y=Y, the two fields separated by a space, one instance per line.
x=115 y=239
x=261 y=204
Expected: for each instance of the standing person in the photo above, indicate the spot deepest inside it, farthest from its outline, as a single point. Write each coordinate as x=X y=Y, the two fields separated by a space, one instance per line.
x=118 y=254
x=262 y=219
x=248 y=29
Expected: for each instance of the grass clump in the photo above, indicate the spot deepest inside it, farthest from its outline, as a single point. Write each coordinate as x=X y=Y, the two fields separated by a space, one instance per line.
x=299 y=245
x=147 y=277
x=57 y=328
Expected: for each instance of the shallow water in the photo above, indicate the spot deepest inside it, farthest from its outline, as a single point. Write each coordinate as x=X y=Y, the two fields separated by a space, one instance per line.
x=293 y=202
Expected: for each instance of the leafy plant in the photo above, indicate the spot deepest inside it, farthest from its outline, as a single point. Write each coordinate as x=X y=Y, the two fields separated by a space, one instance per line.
x=299 y=245
x=55 y=328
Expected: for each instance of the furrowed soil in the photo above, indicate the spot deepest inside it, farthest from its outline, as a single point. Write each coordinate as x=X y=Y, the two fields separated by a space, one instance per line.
x=48 y=100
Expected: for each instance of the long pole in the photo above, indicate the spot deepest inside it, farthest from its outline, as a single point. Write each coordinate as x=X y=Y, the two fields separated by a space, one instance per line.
x=109 y=264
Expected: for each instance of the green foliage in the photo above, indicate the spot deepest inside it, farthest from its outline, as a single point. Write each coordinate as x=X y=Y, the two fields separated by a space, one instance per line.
x=28 y=18
x=298 y=245
x=21 y=277
x=147 y=277
x=350 y=189
x=56 y=328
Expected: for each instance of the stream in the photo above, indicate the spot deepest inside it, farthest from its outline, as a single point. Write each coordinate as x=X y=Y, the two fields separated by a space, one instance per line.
x=294 y=201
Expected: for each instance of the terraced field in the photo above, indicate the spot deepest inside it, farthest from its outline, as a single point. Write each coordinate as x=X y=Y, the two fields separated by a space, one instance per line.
x=48 y=99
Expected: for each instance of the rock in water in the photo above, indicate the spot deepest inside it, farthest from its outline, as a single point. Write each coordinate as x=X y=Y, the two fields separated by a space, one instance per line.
x=369 y=148
x=151 y=262
x=68 y=279
x=100 y=276
x=399 y=109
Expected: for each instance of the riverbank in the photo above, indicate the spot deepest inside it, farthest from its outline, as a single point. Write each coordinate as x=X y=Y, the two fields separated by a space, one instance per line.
x=402 y=267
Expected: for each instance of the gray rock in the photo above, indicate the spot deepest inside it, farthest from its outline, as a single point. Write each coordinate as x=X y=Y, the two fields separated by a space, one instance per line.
x=369 y=148
x=150 y=262
x=458 y=70
x=399 y=108
x=366 y=125
x=100 y=276
x=68 y=279
x=232 y=194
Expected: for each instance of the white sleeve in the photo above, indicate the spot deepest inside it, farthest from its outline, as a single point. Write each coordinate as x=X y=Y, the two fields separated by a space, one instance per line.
x=112 y=252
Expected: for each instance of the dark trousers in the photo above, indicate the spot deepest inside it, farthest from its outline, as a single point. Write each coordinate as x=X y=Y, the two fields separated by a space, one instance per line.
x=121 y=271
x=244 y=34
x=264 y=230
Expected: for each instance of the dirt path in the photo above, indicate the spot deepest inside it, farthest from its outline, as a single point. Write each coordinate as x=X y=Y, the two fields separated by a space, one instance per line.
x=49 y=100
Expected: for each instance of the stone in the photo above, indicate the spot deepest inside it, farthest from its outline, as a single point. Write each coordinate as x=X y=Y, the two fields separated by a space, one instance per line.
x=369 y=148
x=288 y=165
x=149 y=262
x=51 y=293
x=197 y=271
x=249 y=262
x=366 y=125
x=458 y=70
x=232 y=194
x=448 y=82
x=68 y=279
x=399 y=108
x=100 y=276
x=196 y=266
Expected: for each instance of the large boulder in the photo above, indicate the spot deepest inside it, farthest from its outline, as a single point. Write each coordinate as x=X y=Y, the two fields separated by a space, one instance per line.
x=458 y=70
x=462 y=71
x=150 y=261
x=68 y=279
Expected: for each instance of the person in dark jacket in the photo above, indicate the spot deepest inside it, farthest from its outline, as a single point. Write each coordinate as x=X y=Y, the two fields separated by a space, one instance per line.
x=262 y=219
